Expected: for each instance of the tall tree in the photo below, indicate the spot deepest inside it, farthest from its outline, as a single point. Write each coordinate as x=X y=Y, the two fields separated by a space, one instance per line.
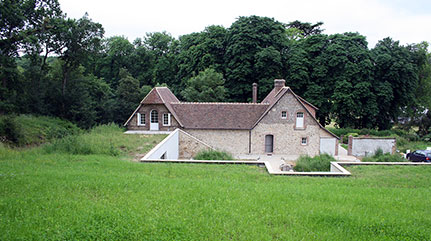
x=128 y=96
x=305 y=29
x=77 y=38
x=163 y=48
x=119 y=52
x=251 y=40
x=199 y=51
x=21 y=23
x=395 y=75
x=207 y=86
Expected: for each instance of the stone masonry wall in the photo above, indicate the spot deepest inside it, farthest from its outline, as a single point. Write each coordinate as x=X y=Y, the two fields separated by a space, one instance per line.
x=189 y=146
x=287 y=138
x=146 y=109
x=232 y=141
x=287 y=141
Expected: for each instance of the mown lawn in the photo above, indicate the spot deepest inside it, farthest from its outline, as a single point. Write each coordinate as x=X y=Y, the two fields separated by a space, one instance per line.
x=81 y=197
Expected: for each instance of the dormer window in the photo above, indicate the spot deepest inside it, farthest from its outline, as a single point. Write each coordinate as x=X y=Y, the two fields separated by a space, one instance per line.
x=284 y=115
x=141 y=119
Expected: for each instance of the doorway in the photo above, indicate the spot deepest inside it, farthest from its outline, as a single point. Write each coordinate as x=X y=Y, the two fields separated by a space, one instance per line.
x=269 y=143
x=154 y=120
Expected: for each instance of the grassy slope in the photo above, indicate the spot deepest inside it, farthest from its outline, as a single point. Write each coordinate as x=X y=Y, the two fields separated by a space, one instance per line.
x=63 y=196
x=35 y=130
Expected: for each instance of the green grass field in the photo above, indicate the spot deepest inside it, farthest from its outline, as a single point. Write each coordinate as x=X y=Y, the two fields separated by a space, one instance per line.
x=64 y=196
x=86 y=187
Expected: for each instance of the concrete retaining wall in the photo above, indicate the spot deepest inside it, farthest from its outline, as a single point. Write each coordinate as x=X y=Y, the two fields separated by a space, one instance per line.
x=167 y=149
x=368 y=146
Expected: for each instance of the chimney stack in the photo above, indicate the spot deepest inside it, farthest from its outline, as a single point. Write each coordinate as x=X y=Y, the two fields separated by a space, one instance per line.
x=254 y=93
x=278 y=84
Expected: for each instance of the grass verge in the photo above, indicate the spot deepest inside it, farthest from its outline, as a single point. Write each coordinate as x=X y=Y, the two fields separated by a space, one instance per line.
x=213 y=155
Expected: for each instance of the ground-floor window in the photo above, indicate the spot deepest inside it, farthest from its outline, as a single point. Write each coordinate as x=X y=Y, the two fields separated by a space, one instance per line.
x=141 y=119
x=304 y=141
x=166 y=119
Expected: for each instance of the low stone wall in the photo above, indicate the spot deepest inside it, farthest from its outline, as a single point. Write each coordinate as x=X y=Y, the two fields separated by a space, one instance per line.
x=189 y=145
x=177 y=145
x=368 y=146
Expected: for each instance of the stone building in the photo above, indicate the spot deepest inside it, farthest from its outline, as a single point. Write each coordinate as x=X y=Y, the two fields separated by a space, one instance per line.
x=282 y=124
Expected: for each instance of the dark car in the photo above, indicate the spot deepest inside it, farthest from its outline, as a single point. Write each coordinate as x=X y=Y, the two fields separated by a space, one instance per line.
x=419 y=156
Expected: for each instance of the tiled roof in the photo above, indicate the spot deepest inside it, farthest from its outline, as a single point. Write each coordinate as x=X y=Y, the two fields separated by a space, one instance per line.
x=211 y=115
x=152 y=98
x=232 y=116
x=158 y=95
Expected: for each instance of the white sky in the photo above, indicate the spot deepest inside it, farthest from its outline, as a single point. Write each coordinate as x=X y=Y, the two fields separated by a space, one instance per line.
x=405 y=20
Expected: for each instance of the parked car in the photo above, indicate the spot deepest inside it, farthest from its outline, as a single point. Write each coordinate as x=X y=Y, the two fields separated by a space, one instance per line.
x=419 y=156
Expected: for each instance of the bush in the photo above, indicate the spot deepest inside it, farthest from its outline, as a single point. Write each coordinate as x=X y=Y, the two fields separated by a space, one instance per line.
x=11 y=131
x=213 y=155
x=346 y=137
x=379 y=156
x=321 y=163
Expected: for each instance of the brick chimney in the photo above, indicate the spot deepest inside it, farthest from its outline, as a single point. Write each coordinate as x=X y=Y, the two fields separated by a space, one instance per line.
x=254 y=93
x=278 y=84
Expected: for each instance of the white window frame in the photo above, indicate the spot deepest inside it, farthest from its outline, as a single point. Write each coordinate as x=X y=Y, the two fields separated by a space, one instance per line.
x=139 y=119
x=302 y=141
x=169 y=119
x=283 y=112
x=300 y=120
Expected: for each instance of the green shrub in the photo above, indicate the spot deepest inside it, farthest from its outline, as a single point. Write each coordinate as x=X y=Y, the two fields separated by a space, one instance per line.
x=343 y=131
x=11 y=131
x=378 y=152
x=213 y=155
x=321 y=163
x=412 y=137
x=379 y=156
x=346 y=137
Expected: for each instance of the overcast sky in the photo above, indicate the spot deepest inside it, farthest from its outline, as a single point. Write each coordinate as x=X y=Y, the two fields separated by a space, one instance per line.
x=408 y=21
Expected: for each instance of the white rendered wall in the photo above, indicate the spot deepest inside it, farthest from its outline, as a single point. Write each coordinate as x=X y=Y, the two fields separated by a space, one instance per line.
x=328 y=145
x=368 y=146
x=169 y=146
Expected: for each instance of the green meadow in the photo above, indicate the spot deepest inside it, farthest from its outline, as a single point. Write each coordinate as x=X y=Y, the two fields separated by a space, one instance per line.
x=88 y=186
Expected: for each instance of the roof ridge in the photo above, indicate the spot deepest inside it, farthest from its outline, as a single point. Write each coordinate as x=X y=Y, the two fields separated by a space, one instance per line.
x=161 y=97
x=219 y=103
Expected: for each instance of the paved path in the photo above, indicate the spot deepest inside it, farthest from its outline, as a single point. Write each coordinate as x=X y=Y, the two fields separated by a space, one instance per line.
x=148 y=132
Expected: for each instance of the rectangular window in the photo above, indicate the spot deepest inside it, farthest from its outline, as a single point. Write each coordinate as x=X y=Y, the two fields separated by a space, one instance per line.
x=284 y=115
x=166 y=119
x=141 y=119
x=304 y=141
x=300 y=120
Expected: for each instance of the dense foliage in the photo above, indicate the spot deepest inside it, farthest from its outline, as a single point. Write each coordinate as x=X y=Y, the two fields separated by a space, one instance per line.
x=28 y=130
x=379 y=156
x=54 y=65
x=320 y=163
x=213 y=155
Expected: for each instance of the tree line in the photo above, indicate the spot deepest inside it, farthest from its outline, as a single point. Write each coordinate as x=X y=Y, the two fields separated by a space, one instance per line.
x=54 y=65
